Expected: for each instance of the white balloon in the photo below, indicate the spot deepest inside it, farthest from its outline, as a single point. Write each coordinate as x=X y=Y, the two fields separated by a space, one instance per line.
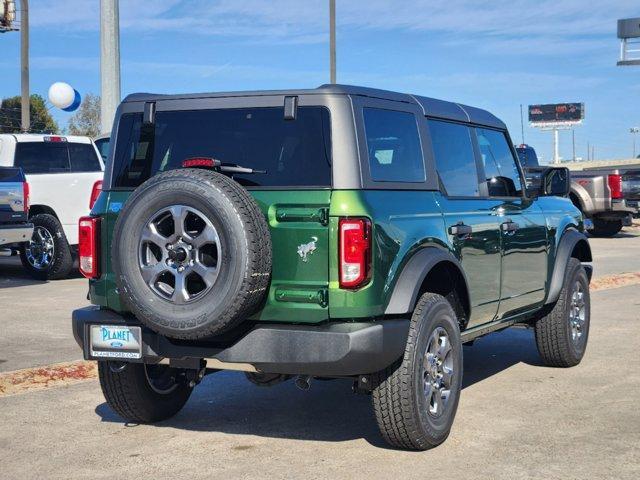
x=61 y=94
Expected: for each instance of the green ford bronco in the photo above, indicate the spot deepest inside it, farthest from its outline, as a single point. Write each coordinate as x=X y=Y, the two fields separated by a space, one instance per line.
x=340 y=232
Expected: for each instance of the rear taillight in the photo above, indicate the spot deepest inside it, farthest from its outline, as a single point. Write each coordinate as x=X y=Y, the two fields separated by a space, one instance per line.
x=354 y=251
x=195 y=162
x=89 y=238
x=95 y=193
x=25 y=196
x=615 y=185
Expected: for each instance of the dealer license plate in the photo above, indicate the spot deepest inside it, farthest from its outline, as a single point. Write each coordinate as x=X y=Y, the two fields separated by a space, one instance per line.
x=115 y=341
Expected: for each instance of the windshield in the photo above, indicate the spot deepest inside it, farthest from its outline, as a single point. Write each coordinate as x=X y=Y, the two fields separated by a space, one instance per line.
x=284 y=153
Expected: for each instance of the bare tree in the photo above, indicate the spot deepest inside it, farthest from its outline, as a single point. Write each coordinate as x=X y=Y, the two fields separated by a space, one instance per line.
x=86 y=121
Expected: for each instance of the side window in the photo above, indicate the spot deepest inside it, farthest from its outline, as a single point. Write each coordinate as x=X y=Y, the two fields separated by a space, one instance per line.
x=455 y=160
x=42 y=157
x=103 y=147
x=83 y=158
x=394 y=148
x=503 y=176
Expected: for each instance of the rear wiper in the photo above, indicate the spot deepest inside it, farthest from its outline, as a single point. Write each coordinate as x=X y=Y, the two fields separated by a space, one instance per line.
x=233 y=168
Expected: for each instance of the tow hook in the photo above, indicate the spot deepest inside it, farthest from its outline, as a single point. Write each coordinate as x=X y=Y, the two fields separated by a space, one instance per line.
x=192 y=374
x=303 y=382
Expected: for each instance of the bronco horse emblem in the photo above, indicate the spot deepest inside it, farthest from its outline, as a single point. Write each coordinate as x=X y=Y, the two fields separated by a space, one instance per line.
x=307 y=249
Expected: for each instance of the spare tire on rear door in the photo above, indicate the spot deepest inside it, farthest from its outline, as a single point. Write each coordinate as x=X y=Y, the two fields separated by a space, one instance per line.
x=192 y=253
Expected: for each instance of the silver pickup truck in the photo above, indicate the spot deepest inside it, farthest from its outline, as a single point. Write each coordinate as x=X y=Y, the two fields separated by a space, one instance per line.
x=609 y=198
x=14 y=209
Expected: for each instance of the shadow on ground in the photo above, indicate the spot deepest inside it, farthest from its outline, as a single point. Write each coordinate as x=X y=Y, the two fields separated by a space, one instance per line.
x=13 y=274
x=226 y=402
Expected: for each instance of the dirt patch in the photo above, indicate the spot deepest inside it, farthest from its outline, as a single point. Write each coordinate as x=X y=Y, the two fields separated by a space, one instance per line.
x=39 y=378
x=615 y=281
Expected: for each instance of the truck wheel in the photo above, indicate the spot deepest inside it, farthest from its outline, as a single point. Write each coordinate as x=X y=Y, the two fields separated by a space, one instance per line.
x=415 y=400
x=47 y=256
x=561 y=335
x=142 y=393
x=605 y=228
x=191 y=254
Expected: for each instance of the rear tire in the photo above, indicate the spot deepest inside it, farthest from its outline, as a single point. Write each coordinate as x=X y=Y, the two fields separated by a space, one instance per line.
x=408 y=397
x=562 y=334
x=605 y=228
x=142 y=393
x=47 y=256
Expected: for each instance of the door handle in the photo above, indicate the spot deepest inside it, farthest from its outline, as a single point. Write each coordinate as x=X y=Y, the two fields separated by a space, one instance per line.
x=460 y=229
x=509 y=226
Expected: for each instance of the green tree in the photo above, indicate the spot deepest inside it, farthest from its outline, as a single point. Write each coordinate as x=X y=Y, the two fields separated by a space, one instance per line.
x=41 y=119
x=86 y=121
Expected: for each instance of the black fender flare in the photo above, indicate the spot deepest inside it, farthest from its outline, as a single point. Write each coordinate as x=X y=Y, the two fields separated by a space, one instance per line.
x=407 y=287
x=570 y=238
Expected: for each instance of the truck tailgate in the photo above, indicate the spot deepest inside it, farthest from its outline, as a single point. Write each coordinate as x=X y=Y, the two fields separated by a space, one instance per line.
x=12 y=201
x=631 y=185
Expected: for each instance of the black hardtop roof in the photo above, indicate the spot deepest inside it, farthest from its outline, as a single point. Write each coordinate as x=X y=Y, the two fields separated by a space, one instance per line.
x=430 y=106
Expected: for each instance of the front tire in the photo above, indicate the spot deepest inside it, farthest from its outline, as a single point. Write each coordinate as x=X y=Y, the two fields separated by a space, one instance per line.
x=415 y=400
x=562 y=334
x=47 y=256
x=142 y=393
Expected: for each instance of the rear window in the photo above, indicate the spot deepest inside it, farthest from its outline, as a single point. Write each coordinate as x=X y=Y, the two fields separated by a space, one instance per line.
x=291 y=153
x=56 y=157
x=42 y=157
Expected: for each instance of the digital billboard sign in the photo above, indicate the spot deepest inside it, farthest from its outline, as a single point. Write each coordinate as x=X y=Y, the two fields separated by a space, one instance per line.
x=556 y=113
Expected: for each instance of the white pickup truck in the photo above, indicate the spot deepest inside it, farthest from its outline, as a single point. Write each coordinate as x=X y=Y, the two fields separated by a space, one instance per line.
x=63 y=173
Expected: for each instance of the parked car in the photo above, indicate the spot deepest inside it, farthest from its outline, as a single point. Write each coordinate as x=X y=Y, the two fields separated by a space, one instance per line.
x=62 y=172
x=601 y=195
x=15 y=228
x=338 y=232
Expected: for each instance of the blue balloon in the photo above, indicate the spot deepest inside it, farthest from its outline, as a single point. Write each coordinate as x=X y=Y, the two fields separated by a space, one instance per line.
x=76 y=102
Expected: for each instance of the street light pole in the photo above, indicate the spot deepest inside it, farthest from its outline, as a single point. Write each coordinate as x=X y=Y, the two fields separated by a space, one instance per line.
x=25 y=104
x=109 y=62
x=332 y=40
x=634 y=131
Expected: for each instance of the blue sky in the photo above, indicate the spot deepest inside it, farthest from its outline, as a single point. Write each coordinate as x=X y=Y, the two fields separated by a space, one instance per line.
x=491 y=54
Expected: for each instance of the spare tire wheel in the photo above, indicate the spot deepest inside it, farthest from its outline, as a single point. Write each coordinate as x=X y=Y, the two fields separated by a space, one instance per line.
x=192 y=253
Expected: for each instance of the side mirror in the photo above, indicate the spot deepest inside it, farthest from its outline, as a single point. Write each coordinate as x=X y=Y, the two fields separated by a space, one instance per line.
x=556 y=182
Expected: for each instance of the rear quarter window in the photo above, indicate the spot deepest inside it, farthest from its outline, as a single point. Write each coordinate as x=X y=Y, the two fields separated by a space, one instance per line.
x=291 y=153
x=393 y=143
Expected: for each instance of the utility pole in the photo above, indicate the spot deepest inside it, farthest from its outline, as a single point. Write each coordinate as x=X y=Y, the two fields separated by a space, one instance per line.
x=573 y=140
x=556 y=147
x=521 y=124
x=25 y=104
x=109 y=62
x=588 y=151
x=332 y=40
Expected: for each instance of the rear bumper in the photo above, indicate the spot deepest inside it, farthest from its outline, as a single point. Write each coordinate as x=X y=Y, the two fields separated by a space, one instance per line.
x=332 y=349
x=620 y=210
x=15 y=233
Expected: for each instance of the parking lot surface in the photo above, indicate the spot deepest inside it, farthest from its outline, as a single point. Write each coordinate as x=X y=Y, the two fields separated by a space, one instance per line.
x=516 y=419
